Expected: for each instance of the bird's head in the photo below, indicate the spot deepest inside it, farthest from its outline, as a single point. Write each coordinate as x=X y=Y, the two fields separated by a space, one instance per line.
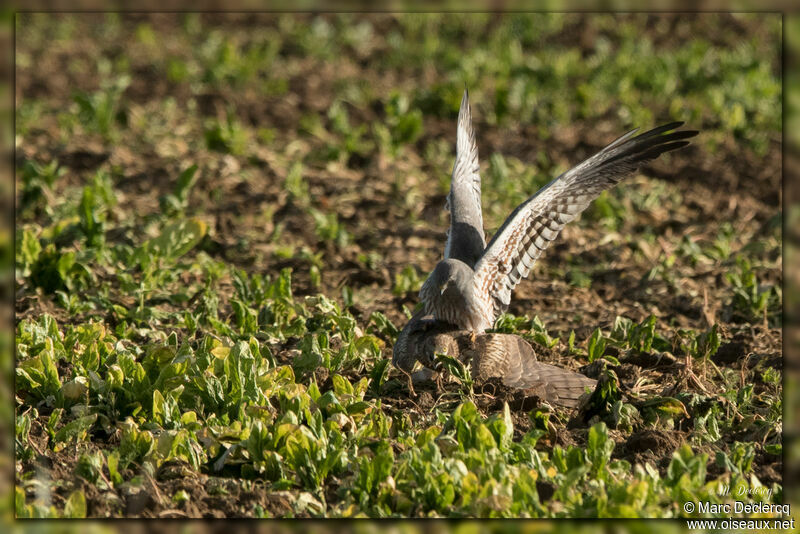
x=447 y=273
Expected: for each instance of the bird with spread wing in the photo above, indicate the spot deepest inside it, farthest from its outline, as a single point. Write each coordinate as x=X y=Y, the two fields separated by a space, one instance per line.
x=472 y=285
x=470 y=289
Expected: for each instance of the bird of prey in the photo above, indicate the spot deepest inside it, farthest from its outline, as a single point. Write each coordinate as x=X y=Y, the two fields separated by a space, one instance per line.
x=505 y=357
x=467 y=290
x=472 y=285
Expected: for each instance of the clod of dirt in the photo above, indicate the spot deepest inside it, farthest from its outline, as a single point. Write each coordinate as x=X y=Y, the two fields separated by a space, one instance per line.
x=730 y=352
x=545 y=490
x=594 y=369
x=565 y=437
x=650 y=360
x=493 y=394
x=84 y=159
x=649 y=445
x=651 y=440
x=773 y=359
x=173 y=469
x=322 y=377
x=768 y=467
x=627 y=371
x=137 y=500
x=426 y=400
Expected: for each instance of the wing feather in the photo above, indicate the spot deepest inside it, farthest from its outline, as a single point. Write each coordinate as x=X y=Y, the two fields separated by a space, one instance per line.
x=465 y=238
x=530 y=228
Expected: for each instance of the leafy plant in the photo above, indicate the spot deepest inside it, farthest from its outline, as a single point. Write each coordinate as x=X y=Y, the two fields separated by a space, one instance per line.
x=176 y=202
x=36 y=182
x=403 y=124
x=159 y=342
x=226 y=136
x=407 y=280
x=749 y=297
x=101 y=111
x=329 y=229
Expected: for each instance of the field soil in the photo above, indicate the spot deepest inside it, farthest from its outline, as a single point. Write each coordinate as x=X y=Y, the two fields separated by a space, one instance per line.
x=392 y=211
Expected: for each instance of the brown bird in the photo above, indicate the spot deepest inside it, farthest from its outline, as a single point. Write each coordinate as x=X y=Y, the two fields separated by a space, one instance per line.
x=506 y=357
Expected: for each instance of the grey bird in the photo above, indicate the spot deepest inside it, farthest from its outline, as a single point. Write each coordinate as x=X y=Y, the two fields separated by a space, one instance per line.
x=472 y=285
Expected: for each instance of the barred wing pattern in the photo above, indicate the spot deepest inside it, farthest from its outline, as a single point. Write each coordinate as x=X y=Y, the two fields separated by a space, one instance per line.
x=513 y=360
x=465 y=237
x=531 y=227
x=506 y=357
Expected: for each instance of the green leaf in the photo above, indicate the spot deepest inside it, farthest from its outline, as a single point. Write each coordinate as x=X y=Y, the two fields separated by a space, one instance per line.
x=427 y=436
x=75 y=506
x=378 y=375
x=597 y=345
x=502 y=428
x=329 y=403
x=21 y=510
x=53 y=420
x=341 y=386
x=185 y=182
x=455 y=368
x=599 y=448
x=112 y=461
x=27 y=381
x=176 y=239
x=52 y=382
x=30 y=248
x=158 y=407
x=73 y=431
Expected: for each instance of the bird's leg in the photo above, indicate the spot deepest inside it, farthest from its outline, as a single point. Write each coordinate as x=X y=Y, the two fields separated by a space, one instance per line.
x=438 y=379
x=410 y=379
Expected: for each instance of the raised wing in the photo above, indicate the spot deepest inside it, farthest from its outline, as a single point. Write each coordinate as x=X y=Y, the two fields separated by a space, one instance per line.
x=537 y=221
x=465 y=238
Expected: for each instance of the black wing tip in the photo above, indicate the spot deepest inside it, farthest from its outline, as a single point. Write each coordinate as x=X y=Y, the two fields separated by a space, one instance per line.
x=680 y=134
x=653 y=143
x=677 y=124
x=669 y=127
x=663 y=129
x=672 y=125
x=673 y=146
x=661 y=135
x=657 y=150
